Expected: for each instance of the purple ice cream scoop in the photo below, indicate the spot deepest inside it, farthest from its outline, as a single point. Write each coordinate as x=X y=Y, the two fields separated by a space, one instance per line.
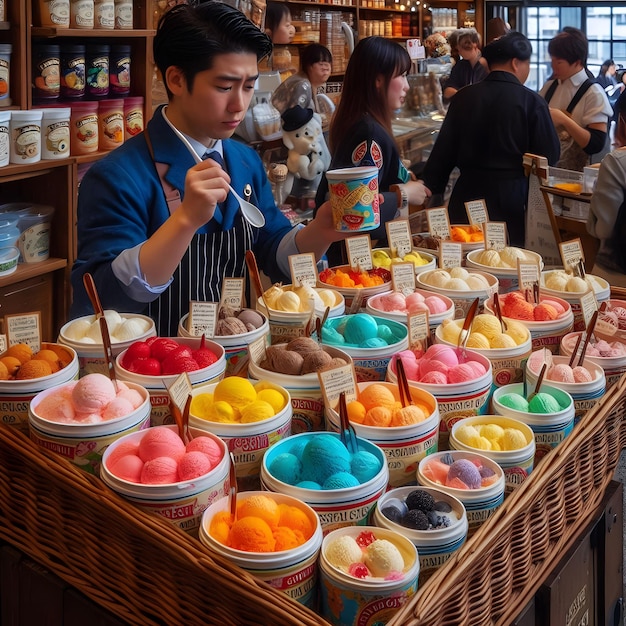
x=466 y=472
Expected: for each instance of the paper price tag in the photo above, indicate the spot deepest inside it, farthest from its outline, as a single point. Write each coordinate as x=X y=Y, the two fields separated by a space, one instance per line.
x=415 y=49
x=571 y=255
x=24 y=328
x=360 y=252
x=180 y=390
x=256 y=350
x=450 y=254
x=438 y=222
x=399 y=237
x=336 y=380
x=588 y=305
x=232 y=293
x=303 y=270
x=3 y=343
x=495 y=235
x=202 y=319
x=527 y=275
x=477 y=212
x=419 y=330
x=403 y=277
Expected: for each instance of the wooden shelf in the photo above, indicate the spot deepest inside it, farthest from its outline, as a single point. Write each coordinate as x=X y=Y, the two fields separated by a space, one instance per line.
x=25 y=271
x=51 y=31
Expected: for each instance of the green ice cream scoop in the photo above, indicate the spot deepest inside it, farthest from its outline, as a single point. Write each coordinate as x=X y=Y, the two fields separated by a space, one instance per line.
x=514 y=401
x=544 y=403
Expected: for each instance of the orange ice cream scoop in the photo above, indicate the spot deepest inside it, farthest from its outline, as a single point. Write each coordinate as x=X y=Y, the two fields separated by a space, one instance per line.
x=377 y=396
x=286 y=539
x=408 y=415
x=296 y=519
x=545 y=312
x=378 y=416
x=519 y=310
x=262 y=507
x=219 y=528
x=251 y=534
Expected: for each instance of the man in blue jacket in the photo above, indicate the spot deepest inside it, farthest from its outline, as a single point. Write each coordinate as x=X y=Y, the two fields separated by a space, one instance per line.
x=157 y=228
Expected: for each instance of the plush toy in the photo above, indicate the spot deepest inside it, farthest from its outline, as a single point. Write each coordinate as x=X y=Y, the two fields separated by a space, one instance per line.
x=308 y=156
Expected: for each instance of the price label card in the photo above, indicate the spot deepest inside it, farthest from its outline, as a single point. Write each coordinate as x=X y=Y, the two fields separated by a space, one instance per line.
x=180 y=390
x=202 y=319
x=336 y=380
x=256 y=350
x=571 y=255
x=24 y=328
x=232 y=293
x=403 y=277
x=3 y=343
x=588 y=306
x=419 y=330
x=360 y=252
x=477 y=212
x=450 y=254
x=399 y=237
x=527 y=275
x=495 y=235
x=438 y=222
x=303 y=270
x=415 y=49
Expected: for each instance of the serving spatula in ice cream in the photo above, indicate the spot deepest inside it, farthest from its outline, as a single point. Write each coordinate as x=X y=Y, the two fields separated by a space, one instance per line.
x=467 y=326
x=542 y=373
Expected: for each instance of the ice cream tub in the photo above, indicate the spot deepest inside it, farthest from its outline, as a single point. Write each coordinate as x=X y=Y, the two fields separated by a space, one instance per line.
x=435 y=545
x=558 y=283
x=157 y=385
x=16 y=395
x=546 y=334
x=456 y=401
x=549 y=428
x=462 y=299
x=354 y=198
x=404 y=446
x=424 y=242
x=344 y=506
x=83 y=444
x=181 y=503
x=483 y=499
x=83 y=335
x=35 y=226
x=517 y=463
x=423 y=261
x=377 y=305
x=350 y=292
x=235 y=346
x=507 y=364
x=370 y=364
x=584 y=394
x=248 y=442
x=293 y=571
x=507 y=276
x=613 y=366
x=307 y=401
x=286 y=324
x=347 y=599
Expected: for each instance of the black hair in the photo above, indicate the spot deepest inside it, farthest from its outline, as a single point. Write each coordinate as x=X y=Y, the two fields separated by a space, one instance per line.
x=314 y=53
x=513 y=45
x=190 y=36
x=605 y=67
x=274 y=14
x=570 y=45
x=496 y=27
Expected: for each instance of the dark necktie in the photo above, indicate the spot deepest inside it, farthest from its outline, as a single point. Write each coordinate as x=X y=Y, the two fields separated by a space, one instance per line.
x=217 y=157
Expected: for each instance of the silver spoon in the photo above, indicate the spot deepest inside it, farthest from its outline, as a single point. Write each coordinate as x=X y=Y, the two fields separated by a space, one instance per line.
x=251 y=213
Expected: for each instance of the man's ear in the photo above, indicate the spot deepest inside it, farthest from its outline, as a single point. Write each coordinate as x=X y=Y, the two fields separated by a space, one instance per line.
x=175 y=80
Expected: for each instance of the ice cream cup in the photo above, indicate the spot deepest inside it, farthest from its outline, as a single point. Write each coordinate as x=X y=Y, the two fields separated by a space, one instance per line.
x=462 y=299
x=157 y=386
x=181 y=503
x=16 y=395
x=507 y=276
x=371 y=364
x=373 y=307
x=613 y=366
x=404 y=446
x=354 y=198
x=91 y=355
x=307 y=401
x=434 y=546
x=84 y=444
x=458 y=400
x=549 y=428
x=293 y=571
x=545 y=334
x=507 y=363
x=480 y=504
x=345 y=599
x=248 y=442
x=602 y=289
x=350 y=293
x=585 y=395
x=235 y=346
x=516 y=464
x=286 y=325
x=429 y=257
x=336 y=507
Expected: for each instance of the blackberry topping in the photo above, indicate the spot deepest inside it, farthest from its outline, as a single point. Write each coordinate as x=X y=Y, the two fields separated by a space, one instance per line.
x=442 y=507
x=392 y=513
x=415 y=519
x=421 y=500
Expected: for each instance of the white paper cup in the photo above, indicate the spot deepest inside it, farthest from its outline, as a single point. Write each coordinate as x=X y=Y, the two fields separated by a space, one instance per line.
x=354 y=198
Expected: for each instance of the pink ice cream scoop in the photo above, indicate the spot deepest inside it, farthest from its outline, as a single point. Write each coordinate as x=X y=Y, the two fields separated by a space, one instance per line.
x=434 y=378
x=207 y=446
x=393 y=301
x=432 y=365
x=581 y=374
x=160 y=471
x=127 y=467
x=92 y=393
x=193 y=464
x=414 y=298
x=435 y=304
x=411 y=367
x=560 y=373
x=160 y=442
x=118 y=407
x=442 y=353
x=56 y=408
x=461 y=373
x=121 y=449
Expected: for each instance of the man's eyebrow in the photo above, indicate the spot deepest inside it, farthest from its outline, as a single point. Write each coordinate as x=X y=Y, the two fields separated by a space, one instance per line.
x=232 y=79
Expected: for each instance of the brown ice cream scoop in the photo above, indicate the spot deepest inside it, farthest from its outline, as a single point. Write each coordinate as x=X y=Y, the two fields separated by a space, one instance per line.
x=314 y=361
x=230 y=326
x=282 y=361
x=336 y=361
x=252 y=319
x=304 y=345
